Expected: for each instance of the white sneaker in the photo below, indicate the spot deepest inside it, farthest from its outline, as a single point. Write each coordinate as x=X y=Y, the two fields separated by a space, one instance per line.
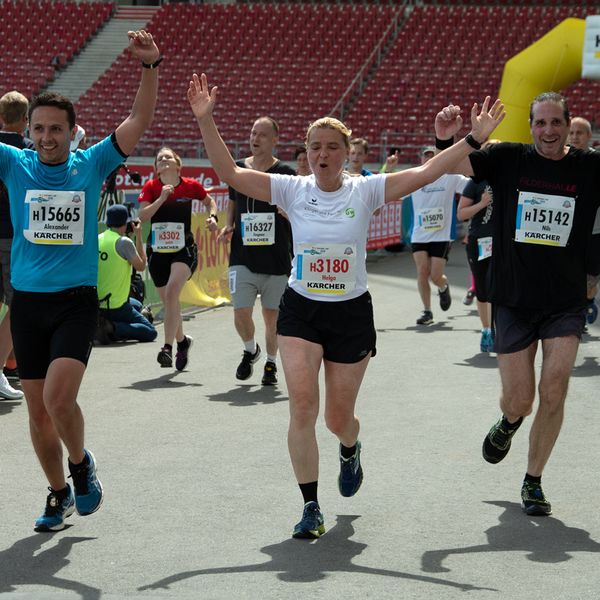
x=7 y=391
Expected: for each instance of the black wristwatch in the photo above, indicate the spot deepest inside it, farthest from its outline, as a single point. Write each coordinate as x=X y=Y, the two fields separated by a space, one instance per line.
x=154 y=64
x=214 y=216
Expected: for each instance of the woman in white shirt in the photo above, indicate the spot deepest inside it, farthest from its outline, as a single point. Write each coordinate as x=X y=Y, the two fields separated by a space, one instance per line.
x=326 y=316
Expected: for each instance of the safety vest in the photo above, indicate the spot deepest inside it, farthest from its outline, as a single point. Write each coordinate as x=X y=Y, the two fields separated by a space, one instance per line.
x=114 y=272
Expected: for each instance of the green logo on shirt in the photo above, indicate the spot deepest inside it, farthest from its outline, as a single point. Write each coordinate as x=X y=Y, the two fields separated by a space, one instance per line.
x=350 y=213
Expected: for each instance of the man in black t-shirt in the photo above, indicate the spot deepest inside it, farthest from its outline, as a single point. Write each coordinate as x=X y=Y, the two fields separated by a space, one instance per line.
x=14 y=108
x=545 y=203
x=260 y=259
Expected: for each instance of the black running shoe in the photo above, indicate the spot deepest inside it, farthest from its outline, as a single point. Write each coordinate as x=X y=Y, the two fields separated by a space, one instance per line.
x=183 y=352
x=497 y=442
x=445 y=298
x=351 y=474
x=165 y=357
x=269 y=374
x=426 y=318
x=312 y=525
x=246 y=367
x=533 y=501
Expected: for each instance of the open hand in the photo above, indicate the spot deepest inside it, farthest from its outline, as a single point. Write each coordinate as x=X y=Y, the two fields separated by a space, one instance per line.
x=201 y=100
x=225 y=233
x=484 y=122
x=142 y=46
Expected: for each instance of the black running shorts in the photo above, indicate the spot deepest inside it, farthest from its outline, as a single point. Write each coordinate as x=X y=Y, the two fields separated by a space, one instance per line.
x=344 y=329
x=516 y=329
x=437 y=249
x=50 y=325
x=159 y=263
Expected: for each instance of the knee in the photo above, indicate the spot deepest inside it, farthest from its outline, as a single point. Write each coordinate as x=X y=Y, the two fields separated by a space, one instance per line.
x=337 y=422
x=518 y=401
x=171 y=294
x=552 y=396
x=60 y=408
x=148 y=334
x=303 y=414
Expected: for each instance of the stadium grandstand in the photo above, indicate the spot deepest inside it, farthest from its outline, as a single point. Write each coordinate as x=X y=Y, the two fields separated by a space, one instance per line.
x=384 y=67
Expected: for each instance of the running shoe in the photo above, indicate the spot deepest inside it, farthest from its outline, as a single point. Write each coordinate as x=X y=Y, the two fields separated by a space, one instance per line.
x=426 y=318
x=269 y=374
x=246 y=367
x=88 y=489
x=468 y=299
x=533 y=501
x=165 y=357
x=445 y=298
x=592 y=311
x=351 y=473
x=56 y=511
x=7 y=391
x=183 y=351
x=147 y=313
x=312 y=525
x=487 y=341
x=497 y=442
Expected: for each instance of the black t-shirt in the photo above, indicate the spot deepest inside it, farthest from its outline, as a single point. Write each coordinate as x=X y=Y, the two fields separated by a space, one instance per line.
x=274 y=259
x=542 y=264
x=481 y=222
x=18 y=141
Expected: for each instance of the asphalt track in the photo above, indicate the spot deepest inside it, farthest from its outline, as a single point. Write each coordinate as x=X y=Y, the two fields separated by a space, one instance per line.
x=200 y=496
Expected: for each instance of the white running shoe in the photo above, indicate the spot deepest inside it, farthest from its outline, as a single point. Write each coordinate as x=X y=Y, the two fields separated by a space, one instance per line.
x=7 y=391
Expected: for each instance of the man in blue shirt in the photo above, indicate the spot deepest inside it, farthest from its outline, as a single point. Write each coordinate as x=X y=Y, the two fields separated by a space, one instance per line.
x=53 y=204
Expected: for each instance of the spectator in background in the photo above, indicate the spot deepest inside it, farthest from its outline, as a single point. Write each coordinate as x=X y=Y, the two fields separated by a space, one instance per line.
x=302 y=167
x=580 y=136
x=13 y=114
x=166 y=202
x=359 y=152
x=117 y=257
x=259 y=262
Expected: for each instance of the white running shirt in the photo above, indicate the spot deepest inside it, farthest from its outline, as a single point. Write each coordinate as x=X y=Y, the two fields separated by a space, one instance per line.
x=330 y=233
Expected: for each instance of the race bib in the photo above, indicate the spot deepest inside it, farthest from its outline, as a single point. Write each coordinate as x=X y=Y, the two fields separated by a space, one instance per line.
x=431 y=219
x=326 y=269
x=258 y=229
x=54 y=217
x=484 y=247
x=168 y=237
x=544 y=219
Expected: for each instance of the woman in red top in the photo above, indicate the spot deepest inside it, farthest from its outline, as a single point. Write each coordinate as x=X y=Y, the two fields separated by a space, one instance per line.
x=172 y=253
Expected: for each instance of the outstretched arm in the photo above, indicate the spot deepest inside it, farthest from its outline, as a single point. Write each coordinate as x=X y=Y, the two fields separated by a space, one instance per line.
x=482 y=125
x=254 y=184
x=129 y=132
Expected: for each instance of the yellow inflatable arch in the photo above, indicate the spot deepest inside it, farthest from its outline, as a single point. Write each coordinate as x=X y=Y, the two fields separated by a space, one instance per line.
x=550 y=64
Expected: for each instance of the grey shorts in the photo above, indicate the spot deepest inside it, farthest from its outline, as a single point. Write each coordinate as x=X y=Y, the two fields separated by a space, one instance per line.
x=516 y=329
x=245 y=285
x=6 y=291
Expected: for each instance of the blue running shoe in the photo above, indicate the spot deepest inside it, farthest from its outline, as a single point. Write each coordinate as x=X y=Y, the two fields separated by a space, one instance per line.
x=592 y=311
x=312 y=525
x=88 y=489
x=56 y=511
x=351 y=473
x=487 y=341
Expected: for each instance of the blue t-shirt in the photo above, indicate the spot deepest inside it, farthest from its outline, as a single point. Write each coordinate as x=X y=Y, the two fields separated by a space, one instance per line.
x=52 y=249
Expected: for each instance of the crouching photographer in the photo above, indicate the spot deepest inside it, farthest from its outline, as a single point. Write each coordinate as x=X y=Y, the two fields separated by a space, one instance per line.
x=121 y=315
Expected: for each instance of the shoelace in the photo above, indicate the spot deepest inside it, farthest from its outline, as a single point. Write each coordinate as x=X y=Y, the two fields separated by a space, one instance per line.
x=53 y=503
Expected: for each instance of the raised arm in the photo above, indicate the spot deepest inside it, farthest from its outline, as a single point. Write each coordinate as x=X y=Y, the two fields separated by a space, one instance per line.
x=482 y=124
x=129 y=132
x=468 y=208
x=254 y=184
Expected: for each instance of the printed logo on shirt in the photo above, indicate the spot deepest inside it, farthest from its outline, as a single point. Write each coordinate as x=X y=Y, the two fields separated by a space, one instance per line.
x=350 y=213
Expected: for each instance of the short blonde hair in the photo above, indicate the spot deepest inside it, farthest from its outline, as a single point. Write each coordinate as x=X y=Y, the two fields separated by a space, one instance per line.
x=330 y=123
x=13 y=107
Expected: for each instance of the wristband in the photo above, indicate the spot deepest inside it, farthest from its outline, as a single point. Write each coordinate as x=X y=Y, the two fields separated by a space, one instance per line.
x=472 y=142
x=443 y=144
x=213 y=216
x=154 y=64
